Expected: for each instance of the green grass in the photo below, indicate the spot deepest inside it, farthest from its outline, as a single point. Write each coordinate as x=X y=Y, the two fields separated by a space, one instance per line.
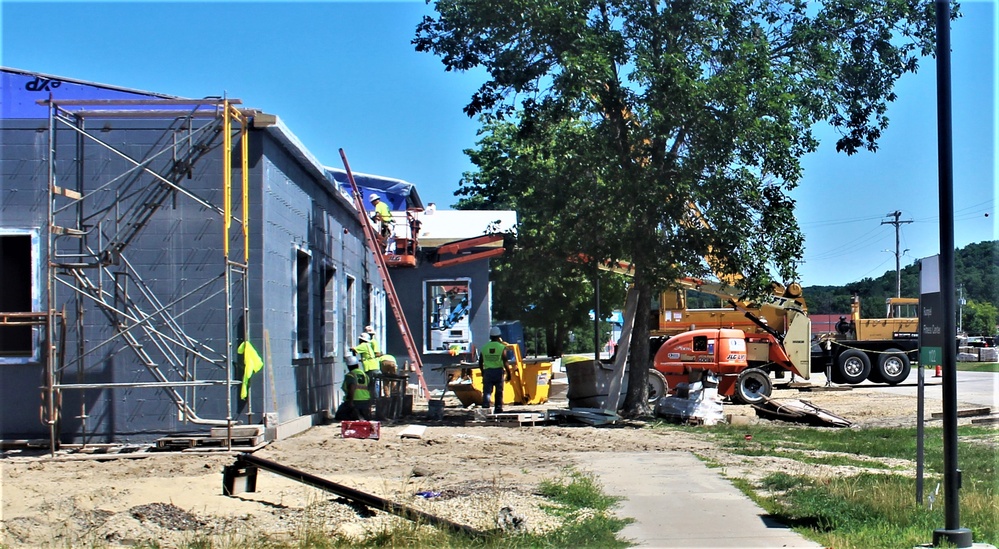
x=871 y=510
x=978 y=367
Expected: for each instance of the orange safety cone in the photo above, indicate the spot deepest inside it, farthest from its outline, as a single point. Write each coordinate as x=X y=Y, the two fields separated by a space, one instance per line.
x=937 y=373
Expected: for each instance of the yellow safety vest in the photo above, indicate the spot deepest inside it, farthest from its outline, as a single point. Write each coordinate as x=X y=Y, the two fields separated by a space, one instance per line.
x=492 y=355
x=367 y=354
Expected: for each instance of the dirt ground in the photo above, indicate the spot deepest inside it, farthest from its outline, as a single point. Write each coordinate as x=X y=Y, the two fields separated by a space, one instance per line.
x=471 y=473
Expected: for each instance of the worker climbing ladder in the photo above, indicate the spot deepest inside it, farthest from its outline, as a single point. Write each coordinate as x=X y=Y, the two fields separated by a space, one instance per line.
x=372 y=241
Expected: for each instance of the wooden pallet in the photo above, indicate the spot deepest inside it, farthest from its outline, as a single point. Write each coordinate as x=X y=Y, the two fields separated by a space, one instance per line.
x=196 y=441
x=517 y=419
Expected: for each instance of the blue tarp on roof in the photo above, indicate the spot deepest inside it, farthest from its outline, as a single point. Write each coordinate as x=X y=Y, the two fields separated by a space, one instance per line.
x=398 y=194
x=22 y=89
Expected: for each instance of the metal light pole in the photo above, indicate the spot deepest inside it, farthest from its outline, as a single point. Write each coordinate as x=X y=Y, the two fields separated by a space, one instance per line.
x=952 y=531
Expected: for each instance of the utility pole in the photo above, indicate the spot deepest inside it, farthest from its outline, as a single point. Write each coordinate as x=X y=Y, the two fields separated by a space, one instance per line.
x=898 y=253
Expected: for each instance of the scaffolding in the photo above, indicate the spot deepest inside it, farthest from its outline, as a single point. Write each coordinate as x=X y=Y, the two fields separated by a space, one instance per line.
x=96 y=214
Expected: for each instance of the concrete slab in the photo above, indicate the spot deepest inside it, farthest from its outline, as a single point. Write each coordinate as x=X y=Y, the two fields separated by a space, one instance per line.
x=677 y=501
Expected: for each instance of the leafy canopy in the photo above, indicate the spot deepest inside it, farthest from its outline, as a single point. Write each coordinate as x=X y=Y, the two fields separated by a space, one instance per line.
x=708 y=104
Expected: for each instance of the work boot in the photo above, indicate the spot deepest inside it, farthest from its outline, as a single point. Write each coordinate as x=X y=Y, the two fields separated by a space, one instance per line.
x=497 y=411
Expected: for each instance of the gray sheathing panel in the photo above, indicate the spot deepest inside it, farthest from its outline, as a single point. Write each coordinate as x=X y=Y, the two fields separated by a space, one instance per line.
x=177 y=252
x=409 y=284
x=302 y=215
x=23 y=207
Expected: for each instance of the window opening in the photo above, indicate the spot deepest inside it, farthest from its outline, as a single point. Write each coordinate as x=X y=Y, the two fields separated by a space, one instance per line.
x=16 y=281
x=330 y=312
x=447 y=305
x=302 y=302
x=351 y=316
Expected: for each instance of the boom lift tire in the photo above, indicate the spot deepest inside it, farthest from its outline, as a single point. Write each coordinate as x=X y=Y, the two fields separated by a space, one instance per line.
x=852 y=367
x=893 y=366
x=752 y=386
x=658 y=387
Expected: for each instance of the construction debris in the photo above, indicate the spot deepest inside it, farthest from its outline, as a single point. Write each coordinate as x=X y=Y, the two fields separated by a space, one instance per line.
x=697 y=403
x=413 y=431
x=800 y=411
x=241 y=476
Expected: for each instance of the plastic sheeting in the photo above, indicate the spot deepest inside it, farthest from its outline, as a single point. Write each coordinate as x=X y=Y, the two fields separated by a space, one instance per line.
x=398 y=194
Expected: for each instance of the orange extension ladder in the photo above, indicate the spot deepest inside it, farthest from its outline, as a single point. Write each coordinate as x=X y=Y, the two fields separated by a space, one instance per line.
x=372 y=241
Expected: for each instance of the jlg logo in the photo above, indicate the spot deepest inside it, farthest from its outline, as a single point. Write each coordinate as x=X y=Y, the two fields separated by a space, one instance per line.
x=42 y=84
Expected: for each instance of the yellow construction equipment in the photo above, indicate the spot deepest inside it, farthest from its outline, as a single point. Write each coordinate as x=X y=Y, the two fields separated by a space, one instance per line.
x=528 y=384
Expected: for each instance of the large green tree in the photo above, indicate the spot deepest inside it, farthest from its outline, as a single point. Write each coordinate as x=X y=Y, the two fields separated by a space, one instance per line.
x=541 y=280
x=676 y=107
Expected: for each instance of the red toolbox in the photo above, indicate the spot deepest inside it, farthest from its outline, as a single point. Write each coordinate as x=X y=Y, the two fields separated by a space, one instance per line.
x=360 y=429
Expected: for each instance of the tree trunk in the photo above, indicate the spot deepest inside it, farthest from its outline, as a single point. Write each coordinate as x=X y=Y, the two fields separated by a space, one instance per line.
x=553 y=340
x=635 y=404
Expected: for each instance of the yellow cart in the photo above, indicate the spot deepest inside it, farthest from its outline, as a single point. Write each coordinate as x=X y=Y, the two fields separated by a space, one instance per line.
x=529 y=382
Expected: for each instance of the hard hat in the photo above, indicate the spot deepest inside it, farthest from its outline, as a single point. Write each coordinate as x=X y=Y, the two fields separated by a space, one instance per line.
x=364 y=337
x=373 y=197
x=494 y=331
x=351 y=360
x=369 y=329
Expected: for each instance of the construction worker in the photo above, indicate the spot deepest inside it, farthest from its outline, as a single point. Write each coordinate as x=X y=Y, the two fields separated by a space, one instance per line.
x=370 y=330
x=494 y=363
x=357 y=394
x=369 y=360
x=383 y=219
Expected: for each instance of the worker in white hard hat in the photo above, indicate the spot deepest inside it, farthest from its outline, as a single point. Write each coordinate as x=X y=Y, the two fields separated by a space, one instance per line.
x=356 y=393
x=366 y=352
x=382 y=218
x=370 y=330
x=494 y=363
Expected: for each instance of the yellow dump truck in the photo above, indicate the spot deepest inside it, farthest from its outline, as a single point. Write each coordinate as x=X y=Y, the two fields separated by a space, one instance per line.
x=875 y=349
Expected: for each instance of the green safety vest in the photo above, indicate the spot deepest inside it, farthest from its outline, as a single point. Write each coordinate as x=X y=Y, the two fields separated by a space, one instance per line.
x=361 y=394
x=492 y=355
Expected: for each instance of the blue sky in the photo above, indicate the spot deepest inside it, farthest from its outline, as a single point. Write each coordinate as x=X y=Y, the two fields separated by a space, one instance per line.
x=344 y=75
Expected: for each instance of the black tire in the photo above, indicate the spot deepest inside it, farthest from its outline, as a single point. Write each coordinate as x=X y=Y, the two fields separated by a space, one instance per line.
x=752 y=386
x=852 y=367
x=658 y=387
x=893 y=367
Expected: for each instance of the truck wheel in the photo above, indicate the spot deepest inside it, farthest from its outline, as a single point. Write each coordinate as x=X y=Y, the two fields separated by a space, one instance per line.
x=752 y=386
x=658 y=387
x=853 y=366
x=893 y=366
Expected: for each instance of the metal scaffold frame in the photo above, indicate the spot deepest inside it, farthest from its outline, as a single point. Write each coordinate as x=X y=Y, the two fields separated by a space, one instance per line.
x=87 y=265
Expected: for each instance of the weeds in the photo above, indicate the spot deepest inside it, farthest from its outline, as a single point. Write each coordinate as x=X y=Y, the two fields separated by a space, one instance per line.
x=581 y=491
x=870 y=510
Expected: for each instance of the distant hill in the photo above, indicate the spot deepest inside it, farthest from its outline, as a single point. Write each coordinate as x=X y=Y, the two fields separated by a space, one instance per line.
x=976 y=269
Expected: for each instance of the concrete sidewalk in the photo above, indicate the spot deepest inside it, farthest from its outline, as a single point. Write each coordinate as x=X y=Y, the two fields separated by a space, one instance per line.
x=677 y=501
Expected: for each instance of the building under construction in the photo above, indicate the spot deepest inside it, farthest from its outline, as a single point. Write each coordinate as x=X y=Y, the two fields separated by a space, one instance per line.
x=149 y=243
